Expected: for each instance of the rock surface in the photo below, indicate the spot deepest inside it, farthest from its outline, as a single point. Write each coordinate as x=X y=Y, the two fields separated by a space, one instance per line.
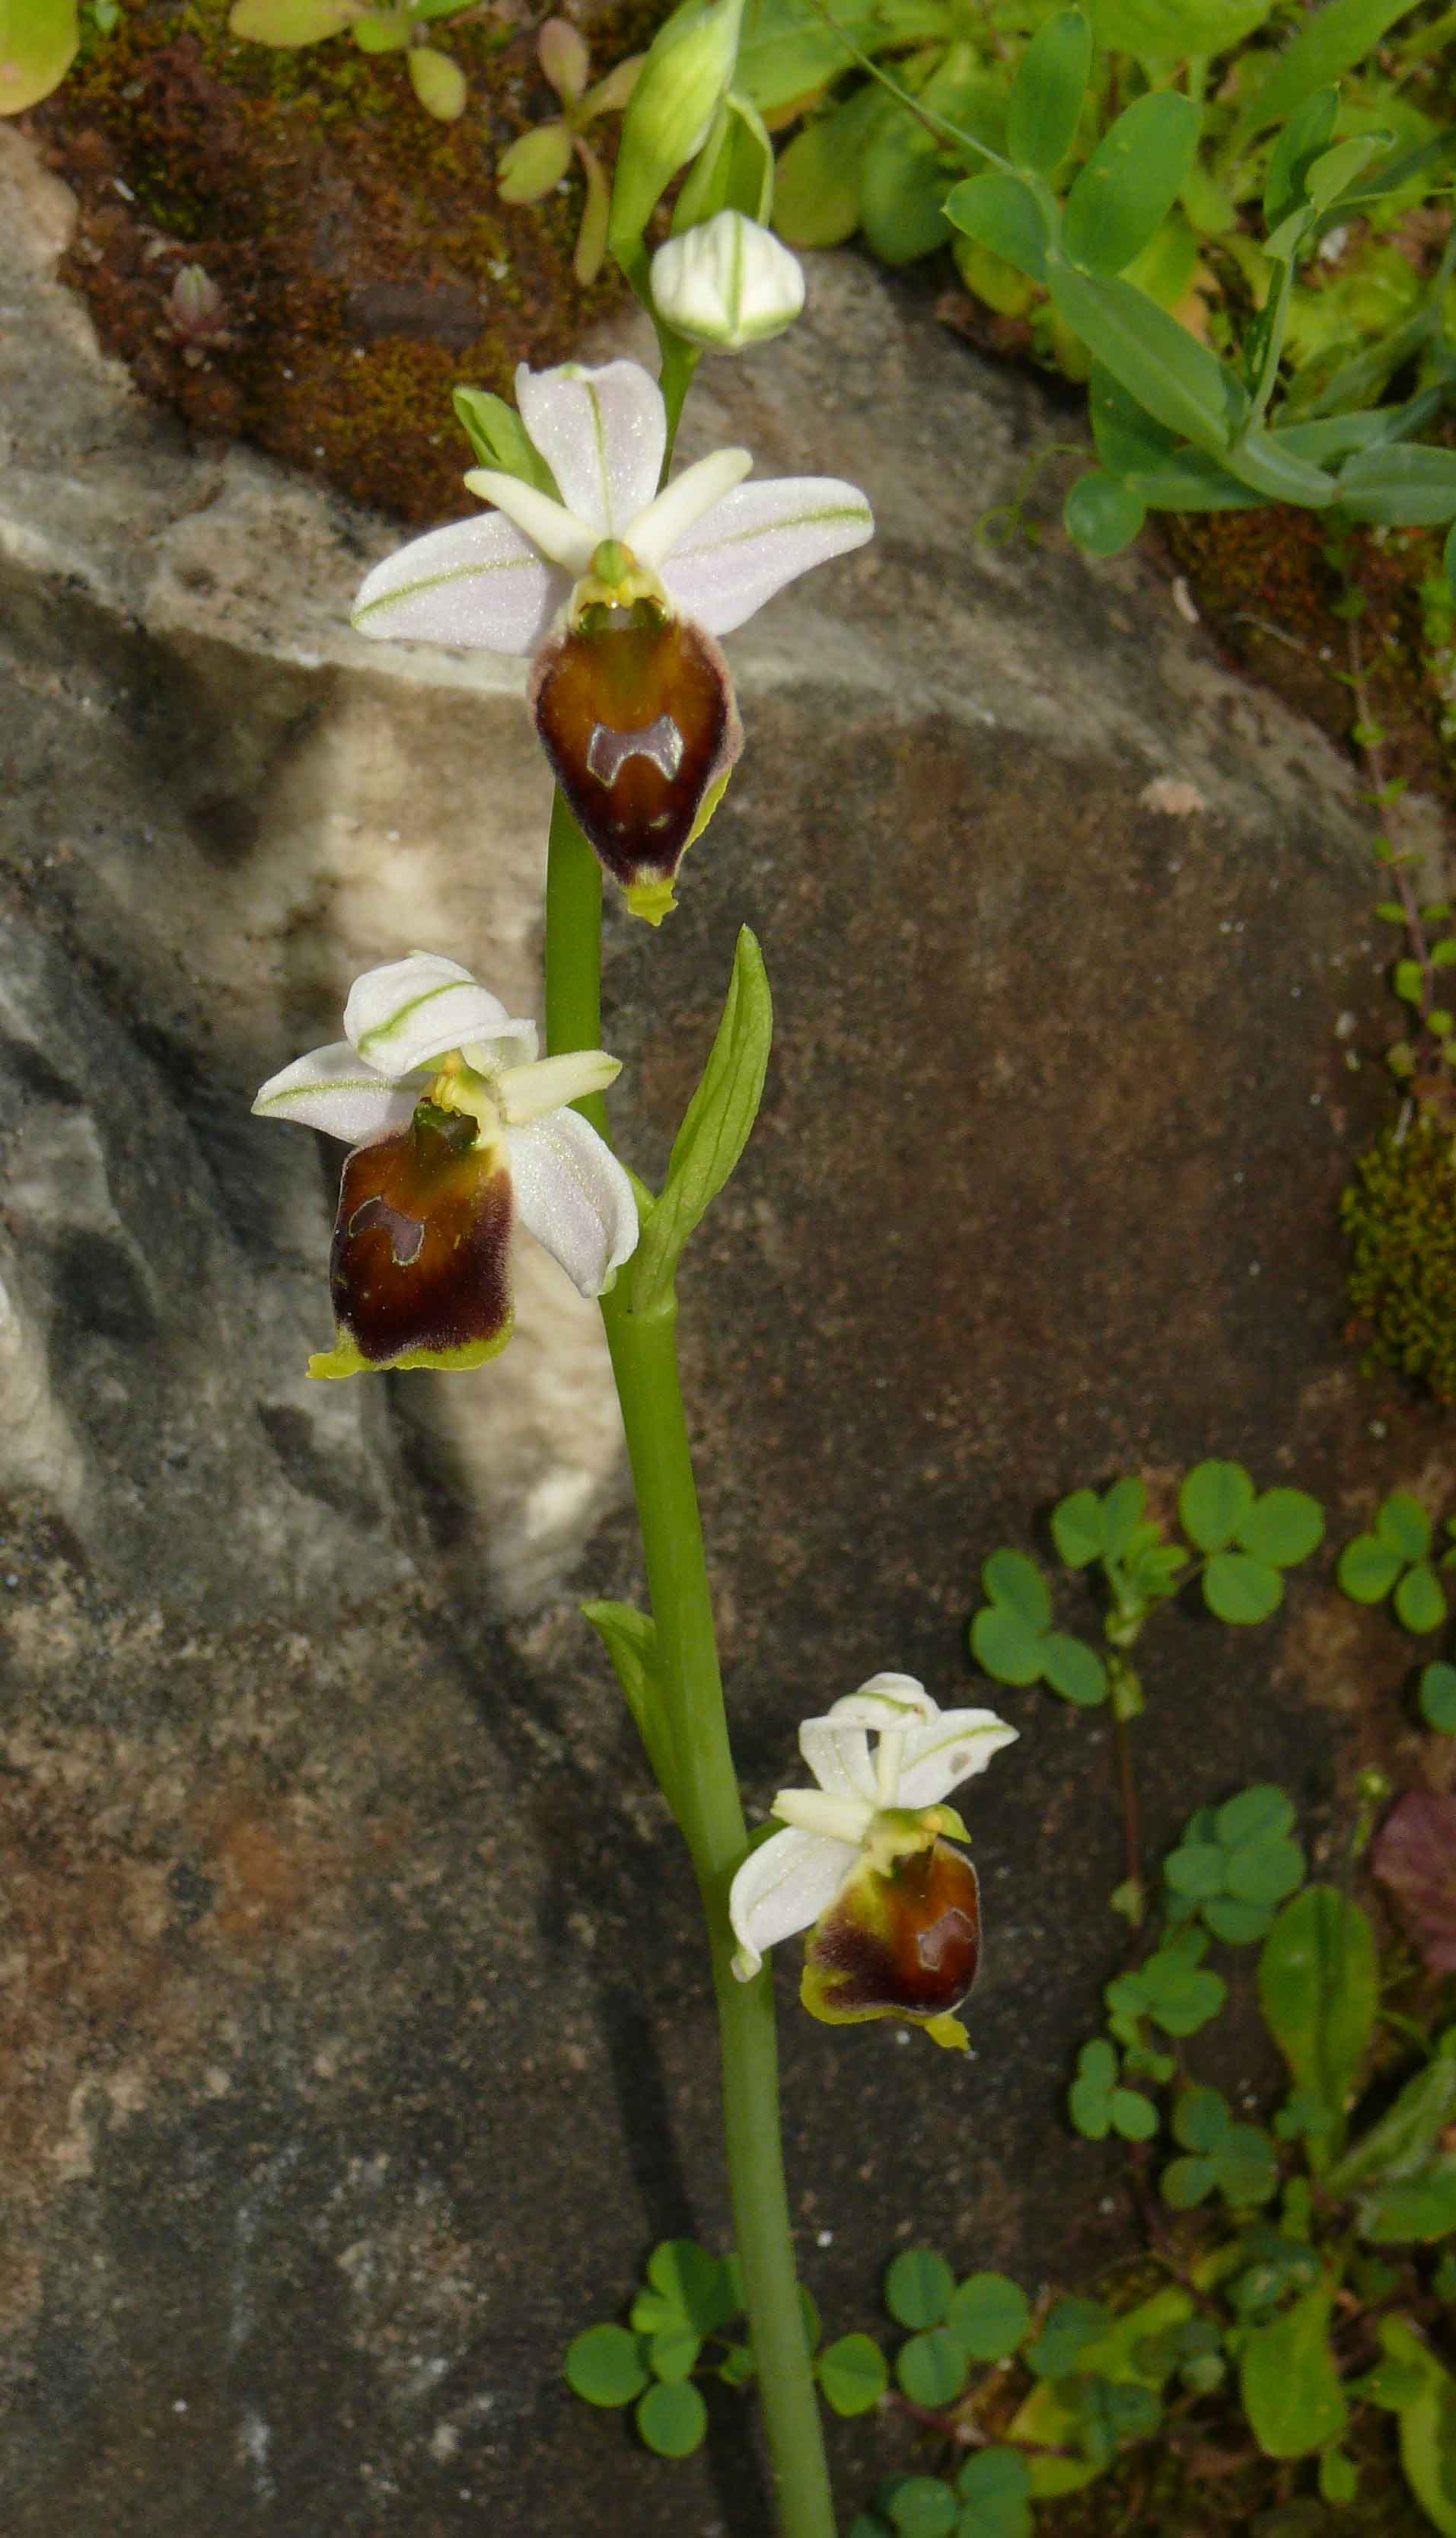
x=352 y=1997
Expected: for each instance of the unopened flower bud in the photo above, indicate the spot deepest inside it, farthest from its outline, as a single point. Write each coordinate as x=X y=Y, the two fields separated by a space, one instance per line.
x=686 y=76
x=195 y=304
x=727 y=283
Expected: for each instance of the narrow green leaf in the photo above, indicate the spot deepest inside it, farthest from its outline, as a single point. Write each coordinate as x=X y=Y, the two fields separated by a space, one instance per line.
x=1290 y=2387
x=1047 y=92
x=1427 y=2423
x=1179 y=381
x=630 y=1639
x=1305 y=137
x=1170 y=30
x=1406 y=2135
x=716 y=1127
x=1213 y=1503
x=1405 y=486
x=1130 y=184
x=1414 y=2208
x=1332 y=41
x=1318 y=1990
x=734 y=171
x=1002 y=214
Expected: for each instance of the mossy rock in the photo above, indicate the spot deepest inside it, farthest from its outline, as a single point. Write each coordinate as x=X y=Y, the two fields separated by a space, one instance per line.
x=364 y=259
x=1400 y=1213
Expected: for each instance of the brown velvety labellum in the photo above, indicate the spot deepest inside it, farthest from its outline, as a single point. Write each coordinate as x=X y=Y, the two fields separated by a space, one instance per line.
x=421 y=1256
x=639 y=722
x=916 y=1948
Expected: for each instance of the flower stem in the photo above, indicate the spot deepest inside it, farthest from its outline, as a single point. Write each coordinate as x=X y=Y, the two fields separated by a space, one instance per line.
x=704 y=1794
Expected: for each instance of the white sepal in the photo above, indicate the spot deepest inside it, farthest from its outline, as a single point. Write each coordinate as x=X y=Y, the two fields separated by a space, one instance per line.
x=759 y=537
x=572 y=1194
x=655 y=532
x=479 y=585
x=602 y=433
x=782 y=1887
x=953 y=1748
x=824 y=1811
x=332 y=1089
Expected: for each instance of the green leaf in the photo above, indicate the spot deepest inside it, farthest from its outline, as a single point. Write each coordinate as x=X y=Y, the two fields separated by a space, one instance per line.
x=1253 y=1814
x=1264 y=1871
x=1017 y=1583
x=684 y=75
x=902 y=188
x=1281 y=1527
x=816 y=187
x=918 y=2288
x=1122 y=1510
x=1005 y=1646
x=1246 y=2168
x=1404 y=2136
x=1171 y=30
x=1290 y=2387
x=989 y=2316
x=381 y=31
x=1305 y=137
x=1403 y=1525
x=1427 y=2423
x=852 y=2374
x=1332 y=41
x=674 y=2353
x=438 y=82
x=1240 y=1589
x=1437 y=1698
x=630 y=1642
x=932 y=2367
x=922 y=2507
x=500 y=438
x=37 y=45
x=1046 y=96
x=716 y=1127
x=1367 y=1568
x=1179 y=381
x=1134 y=2116
x=1131 y=181
x=1111 y=2411
x=1419 y=1601
x=1073 y=1669
x=700 y=2287
x=734 y=171
x=1235 y=1923
x=672 y=2418
x=1070 y=2326
x=1404 y=486
x=1196 y=1869
x=1102 y=515
x=1201 y=2118
x=1002 y=214
x=995 y=2487
x=1420 y=2208
x=1213 y=1504
x=281 y=22
x=530 y=167
x=1318 y=1991
x=606 y=2366
x=1077 y=1528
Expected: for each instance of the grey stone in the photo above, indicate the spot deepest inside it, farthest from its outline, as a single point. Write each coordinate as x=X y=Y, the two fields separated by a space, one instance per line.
x=353 y=1992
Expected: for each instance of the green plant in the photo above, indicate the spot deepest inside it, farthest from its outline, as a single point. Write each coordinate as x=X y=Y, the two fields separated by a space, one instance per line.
x=1112 y=202
x=400 y=26
x=535 y=164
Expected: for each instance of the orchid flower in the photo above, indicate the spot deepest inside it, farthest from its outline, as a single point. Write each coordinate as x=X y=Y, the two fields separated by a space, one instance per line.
x=458 y=1129
x=617 y=590
x=864 y=1861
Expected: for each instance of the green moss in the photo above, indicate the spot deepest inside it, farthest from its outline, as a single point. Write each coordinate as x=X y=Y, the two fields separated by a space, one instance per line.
x=1400 y=1213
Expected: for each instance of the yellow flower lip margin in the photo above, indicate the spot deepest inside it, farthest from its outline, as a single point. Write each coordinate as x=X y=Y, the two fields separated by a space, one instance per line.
x=868 y=1812
x=424 y=1036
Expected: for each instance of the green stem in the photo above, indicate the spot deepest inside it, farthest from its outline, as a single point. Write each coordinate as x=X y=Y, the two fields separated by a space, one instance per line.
x=704 y=1794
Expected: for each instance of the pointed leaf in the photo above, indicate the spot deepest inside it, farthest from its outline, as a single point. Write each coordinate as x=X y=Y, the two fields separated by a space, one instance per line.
x=1318 y=1990
x=1004 y=216
x=1289 y=2380
x=715 y=1128
x=1131 y=181
x=1046 y=96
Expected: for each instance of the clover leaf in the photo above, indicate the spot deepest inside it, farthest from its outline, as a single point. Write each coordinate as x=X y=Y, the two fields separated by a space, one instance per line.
x=1394 y=1560
x=1012 y=1638
x=1248 y=1538
x=1099 y=2104
x=1234 y=1864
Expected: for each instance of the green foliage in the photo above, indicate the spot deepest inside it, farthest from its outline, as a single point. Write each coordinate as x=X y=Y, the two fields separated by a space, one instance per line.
x=1234 y=1864
x=716 y=1127
x=38 y=40
x=1394 y=1560
x=1092 y=191
x=438 y=82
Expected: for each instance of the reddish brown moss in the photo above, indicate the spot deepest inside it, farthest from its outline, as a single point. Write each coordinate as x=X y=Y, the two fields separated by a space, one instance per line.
x=364 y=258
